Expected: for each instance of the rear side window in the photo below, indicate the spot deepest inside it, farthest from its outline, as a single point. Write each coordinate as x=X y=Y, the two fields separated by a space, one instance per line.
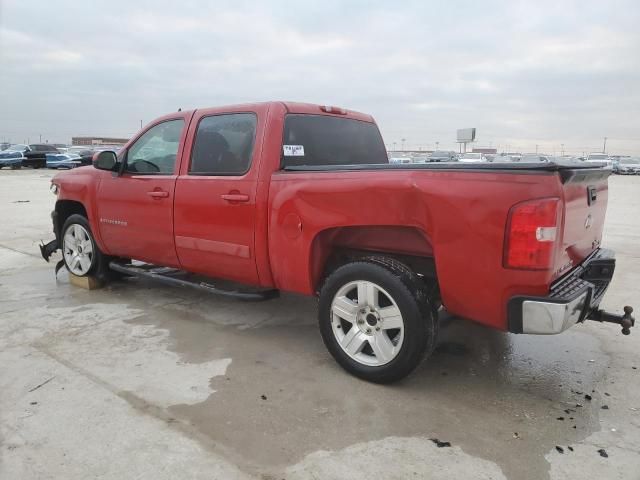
x=312 y=140
x=223 y=145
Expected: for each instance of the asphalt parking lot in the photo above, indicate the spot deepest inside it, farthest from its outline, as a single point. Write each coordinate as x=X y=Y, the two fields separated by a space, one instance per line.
x=140 y=380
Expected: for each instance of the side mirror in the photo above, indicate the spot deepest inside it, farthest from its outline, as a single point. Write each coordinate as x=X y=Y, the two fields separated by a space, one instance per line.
x=105 y=160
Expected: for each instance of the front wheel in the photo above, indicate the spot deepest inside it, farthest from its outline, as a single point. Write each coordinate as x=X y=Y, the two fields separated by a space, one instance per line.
x=80 y=251
x=376 y=320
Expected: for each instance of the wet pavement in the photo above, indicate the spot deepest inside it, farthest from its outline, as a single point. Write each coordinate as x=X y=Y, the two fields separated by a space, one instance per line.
x=140 y=380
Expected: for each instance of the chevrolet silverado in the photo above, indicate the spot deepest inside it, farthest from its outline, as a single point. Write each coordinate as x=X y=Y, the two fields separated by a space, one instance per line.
x=249 y=200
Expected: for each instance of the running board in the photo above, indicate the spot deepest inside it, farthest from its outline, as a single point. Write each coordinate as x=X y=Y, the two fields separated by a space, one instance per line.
x=181 y=278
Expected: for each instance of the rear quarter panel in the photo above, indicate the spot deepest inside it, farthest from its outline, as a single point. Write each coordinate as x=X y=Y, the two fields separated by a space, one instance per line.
x=461 y=214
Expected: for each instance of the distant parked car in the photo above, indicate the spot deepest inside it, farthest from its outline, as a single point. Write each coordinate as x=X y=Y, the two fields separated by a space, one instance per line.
x=627 y=166
x=63 y=160
x=4 y=146
x=535 y=158
x=399 y=160
x=442 y=156
x=36 y=155
x=600 y=158
x=472 y=158
x=503 y=159
x=85 y=153
x=13 y=156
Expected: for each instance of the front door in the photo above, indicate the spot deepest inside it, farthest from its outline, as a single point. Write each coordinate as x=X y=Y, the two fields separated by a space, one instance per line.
x=215 y=205
x=136 y=208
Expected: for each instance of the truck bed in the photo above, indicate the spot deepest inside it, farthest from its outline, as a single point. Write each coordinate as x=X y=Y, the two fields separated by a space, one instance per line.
x=454 y=212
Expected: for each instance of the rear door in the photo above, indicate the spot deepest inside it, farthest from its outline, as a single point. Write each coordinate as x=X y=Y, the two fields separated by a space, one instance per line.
x=136 y=208
x=215 y=205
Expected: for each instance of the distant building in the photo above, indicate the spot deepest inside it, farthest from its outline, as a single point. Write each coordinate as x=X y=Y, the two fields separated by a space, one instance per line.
x=486 y=151
x=98 y=141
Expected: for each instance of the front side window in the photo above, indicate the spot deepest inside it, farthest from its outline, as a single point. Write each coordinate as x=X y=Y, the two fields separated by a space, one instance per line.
x=323 y=140
x=155 y=151
x=223 y=145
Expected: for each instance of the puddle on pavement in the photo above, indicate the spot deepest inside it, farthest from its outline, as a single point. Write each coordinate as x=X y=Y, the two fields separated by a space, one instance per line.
x=477 y=391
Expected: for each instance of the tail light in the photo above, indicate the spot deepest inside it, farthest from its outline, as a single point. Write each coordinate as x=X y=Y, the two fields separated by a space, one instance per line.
x=532 y=231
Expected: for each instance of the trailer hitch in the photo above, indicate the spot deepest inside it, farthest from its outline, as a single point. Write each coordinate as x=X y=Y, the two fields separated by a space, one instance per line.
x=626 y=321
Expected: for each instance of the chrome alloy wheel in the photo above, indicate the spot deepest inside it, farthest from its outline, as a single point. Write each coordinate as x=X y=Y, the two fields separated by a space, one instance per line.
x=77 y=249
x=367 y=323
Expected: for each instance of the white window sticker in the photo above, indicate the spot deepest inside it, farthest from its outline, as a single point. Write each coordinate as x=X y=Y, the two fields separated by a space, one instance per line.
x=293 y=150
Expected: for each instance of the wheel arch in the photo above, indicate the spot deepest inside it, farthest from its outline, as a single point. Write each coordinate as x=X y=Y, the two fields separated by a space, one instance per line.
x=66 y=208
x=334 y=247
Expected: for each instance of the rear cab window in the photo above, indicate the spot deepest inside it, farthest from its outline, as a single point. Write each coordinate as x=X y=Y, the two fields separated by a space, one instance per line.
x=320 y=140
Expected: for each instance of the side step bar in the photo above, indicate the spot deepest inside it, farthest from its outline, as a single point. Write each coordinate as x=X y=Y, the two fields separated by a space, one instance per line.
x=181 y=278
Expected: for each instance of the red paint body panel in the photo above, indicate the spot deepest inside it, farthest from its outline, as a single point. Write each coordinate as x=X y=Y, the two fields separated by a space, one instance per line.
x=284 y=232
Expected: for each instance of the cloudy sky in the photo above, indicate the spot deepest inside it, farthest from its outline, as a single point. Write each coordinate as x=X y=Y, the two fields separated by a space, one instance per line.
x=524 y=73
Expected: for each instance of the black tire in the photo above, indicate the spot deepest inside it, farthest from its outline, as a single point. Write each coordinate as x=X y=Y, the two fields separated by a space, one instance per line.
x=99 y=262
x=410 y=295
x=16 y=167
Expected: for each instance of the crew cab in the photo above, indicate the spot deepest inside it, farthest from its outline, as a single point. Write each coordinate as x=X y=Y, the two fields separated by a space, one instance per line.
x=249 y=200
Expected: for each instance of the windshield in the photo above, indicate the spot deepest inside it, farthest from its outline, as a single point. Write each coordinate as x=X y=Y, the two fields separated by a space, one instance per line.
x=472 y=156
x=630 y=161
x=598 y=156
x=18 y=147
x=325 y=140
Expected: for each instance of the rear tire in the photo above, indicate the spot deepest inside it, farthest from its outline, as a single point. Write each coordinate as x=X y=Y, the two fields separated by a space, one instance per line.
x=376 y=319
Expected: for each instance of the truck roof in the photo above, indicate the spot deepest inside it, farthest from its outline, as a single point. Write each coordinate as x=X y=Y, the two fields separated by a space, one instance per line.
x=301 y=108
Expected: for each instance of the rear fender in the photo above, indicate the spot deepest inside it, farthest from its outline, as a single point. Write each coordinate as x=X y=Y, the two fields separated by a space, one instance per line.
x=331 y=247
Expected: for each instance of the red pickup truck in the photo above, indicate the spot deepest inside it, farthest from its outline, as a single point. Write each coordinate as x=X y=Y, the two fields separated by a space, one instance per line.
x=249 y=200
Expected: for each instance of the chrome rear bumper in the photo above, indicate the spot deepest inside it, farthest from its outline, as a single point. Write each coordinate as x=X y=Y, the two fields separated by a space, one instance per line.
x=571 y=299
x=547 y=318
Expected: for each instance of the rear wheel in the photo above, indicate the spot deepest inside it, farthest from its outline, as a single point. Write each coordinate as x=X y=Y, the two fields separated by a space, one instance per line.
x=376 y=320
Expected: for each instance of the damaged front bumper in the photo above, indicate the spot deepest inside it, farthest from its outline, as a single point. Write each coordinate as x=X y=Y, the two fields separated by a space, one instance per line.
x=572 y=299
x=46 y=250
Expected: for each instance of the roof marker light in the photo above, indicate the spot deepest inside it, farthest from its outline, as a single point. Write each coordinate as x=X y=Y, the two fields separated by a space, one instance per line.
x=334 y=110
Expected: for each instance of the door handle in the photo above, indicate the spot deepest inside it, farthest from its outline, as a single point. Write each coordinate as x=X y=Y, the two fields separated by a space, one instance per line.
x=158 y=194
x=235 y=197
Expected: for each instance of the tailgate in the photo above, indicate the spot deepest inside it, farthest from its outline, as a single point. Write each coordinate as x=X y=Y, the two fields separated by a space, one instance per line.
x=584 y=193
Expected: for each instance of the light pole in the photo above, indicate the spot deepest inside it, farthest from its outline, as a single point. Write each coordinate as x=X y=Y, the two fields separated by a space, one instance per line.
x=403 y=140
x=437 y=145
x=394 y=146
x=536 y=148
x=562 y=148
x=604 y=147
